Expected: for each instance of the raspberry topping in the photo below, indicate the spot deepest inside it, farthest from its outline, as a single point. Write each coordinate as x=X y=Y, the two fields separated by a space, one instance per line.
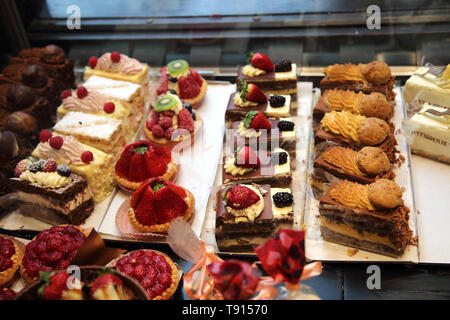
x=157 y=131
x=165 y=122
x=87 y=156
x=109 y=107
x=45 y=135
x=82 y=92
x=21 y=167
x=115 y=57
x=93 y=62
x=52 y=249
x=56 y=142
x=185 y=120
x=142 y=265
x=49 y=165
x=65 y=94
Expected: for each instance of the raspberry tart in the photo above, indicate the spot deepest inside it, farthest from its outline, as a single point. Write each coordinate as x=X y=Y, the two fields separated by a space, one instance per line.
x=156 y=203
x=179 y=78
x=143 y=160
x=154 y=270
x=171 y=122
x=52 y=249
x=10 y=256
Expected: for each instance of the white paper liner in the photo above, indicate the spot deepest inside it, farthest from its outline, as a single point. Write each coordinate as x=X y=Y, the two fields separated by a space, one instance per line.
x=318 y=249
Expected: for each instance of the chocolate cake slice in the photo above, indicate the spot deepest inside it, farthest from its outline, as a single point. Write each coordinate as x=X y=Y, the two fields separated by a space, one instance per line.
x=273 y=82
x=241 y=233
x=282 y=134
x=63 y=193
x=379 y=224
x=274 y=168
x=236 y=113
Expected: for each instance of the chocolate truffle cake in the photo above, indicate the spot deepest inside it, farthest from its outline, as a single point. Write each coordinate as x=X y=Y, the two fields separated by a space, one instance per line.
x=45 y=184
x=372 y=77
x=370 y=217
x=53 y=59
x=247 y=215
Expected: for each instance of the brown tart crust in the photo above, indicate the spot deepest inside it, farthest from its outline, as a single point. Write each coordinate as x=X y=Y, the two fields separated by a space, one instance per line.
x=162 y=228
x=131 y=186
x=24 y=273
x=163 y=142
x=7 y=275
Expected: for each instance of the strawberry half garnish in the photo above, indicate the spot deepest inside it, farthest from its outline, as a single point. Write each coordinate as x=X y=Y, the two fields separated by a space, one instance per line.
x=55 y=287
x=256 y=120
x=145 y=211
x=169 y=205
x=240 y=197
x=251 y=93
x=261 y=61
x=246 y=158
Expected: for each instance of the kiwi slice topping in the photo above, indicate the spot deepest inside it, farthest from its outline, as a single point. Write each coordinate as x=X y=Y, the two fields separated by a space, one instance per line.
x=165 y=103
x=177 y=66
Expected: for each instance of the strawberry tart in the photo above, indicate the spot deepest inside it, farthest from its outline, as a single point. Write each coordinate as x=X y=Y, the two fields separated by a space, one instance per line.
x=172 y=122
x=10 y=256
x=142 y=160
x=156 y=203
x=177 y=77
x=154 y=270
x=52 y=249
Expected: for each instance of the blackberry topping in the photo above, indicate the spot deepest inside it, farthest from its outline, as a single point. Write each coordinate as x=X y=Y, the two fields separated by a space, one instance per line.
x=63 y=170
x=277 y=101
x=283 y=66
x=277 y=158
x=36 y=166
x=282 y=199
x=172 y=92
x=188 y=106
x=172 y=79
x=285 y=125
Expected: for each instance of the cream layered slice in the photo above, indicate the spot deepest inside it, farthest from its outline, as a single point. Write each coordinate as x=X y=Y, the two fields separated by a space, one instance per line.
x=428 y=133
x=120 y=67
x=129 y=94
x=103 y=133
x=99 y=172
x=98 y=104
x=428 y=85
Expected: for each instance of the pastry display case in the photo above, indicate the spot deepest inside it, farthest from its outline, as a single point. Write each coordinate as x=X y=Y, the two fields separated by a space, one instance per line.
x=205 y=135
